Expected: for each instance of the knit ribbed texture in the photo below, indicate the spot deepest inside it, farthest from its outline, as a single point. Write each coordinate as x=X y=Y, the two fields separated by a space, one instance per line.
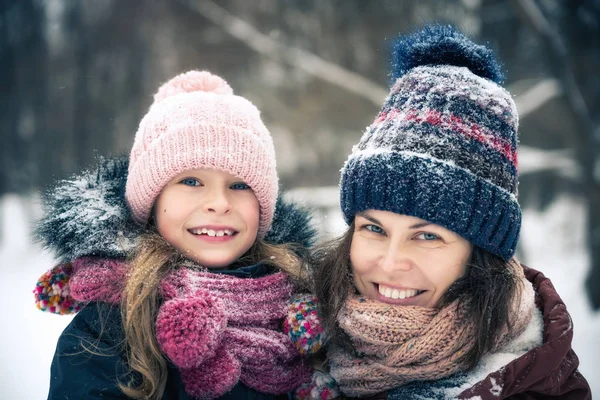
x=443 y=147
x=196 y=122
x=397 y=345
x=217 y=329
x=220 y=329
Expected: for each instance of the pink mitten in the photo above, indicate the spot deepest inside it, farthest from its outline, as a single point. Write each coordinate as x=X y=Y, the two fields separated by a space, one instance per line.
x=214 y=378
x=189 y=329
x=270 y=361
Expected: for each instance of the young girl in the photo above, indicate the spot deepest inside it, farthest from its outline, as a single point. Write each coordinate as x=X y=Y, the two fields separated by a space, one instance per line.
x=422 y=298
x=179 y=292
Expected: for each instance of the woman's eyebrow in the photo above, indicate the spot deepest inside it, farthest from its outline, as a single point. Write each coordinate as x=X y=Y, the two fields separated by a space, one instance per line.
x=367 y=216
x=376 y=221
x=420 y=225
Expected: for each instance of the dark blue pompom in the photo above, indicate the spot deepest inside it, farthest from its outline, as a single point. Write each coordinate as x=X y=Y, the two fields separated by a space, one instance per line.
x=443 y=45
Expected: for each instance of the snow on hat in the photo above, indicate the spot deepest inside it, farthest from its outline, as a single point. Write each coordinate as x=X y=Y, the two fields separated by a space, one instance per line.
x=443 y=148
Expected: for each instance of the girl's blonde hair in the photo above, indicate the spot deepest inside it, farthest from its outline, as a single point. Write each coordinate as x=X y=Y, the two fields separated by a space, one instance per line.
x=153 y=258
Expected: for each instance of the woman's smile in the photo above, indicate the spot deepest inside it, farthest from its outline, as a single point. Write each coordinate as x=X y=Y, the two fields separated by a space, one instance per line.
x=394 y=295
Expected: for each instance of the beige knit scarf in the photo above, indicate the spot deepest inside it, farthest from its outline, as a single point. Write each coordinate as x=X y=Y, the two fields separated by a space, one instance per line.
x=396 y=345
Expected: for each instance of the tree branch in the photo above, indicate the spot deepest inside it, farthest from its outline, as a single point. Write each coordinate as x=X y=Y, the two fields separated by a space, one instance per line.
x=302 y=59
x=587 y=136
x=561 y=162
x=537 y=95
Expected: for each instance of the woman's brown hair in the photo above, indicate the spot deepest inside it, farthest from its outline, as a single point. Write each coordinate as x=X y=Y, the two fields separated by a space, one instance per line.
x=153 y=258
x=486 y=290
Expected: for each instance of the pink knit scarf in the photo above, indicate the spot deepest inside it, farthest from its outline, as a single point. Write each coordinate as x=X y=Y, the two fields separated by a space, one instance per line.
x=217 y=329
x=396 y=345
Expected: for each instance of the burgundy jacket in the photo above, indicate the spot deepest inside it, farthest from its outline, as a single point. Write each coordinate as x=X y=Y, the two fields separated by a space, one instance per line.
x=548 y=371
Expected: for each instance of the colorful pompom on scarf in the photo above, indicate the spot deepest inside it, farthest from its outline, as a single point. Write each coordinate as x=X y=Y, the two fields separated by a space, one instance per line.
x=52 y=291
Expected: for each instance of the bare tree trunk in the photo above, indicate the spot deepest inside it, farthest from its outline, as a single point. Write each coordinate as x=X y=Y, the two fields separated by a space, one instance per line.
x=584 y=138
x=9 y=102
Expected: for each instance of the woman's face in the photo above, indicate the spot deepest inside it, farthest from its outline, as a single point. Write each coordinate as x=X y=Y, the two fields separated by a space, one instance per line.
x=398 y=259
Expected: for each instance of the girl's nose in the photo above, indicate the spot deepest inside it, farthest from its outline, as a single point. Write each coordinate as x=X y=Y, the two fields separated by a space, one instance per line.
x=217 y=202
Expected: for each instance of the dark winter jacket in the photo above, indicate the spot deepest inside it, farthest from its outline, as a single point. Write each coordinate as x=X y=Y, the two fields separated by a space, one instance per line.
x=77 y=373
x=548 y=371
x=88 y=216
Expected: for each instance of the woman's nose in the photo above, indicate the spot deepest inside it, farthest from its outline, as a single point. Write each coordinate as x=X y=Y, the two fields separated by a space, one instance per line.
x=396 y=259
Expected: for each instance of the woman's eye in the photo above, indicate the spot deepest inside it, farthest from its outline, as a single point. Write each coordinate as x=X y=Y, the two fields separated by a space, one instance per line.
x=191 y=182
x=239 y=186
x=428 y=236
x=374 y=228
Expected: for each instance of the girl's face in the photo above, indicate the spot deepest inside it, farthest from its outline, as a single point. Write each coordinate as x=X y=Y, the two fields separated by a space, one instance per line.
x=398 y=259
x=209 y=215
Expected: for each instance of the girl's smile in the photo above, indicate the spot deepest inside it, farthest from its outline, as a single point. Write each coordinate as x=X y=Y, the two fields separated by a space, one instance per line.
x=404 y=260
x=214 y=233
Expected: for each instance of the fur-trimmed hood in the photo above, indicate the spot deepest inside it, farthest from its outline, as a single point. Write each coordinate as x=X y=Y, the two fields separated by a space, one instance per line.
x=87 y=215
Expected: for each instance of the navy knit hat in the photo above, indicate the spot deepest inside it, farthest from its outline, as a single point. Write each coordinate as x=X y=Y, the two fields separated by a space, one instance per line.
x=444 y=146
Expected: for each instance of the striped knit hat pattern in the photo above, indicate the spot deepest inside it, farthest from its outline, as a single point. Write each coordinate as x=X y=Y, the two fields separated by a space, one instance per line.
x=197 y=122
x=443 y=148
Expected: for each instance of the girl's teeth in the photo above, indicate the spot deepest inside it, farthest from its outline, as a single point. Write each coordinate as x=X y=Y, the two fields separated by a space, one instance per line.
x=397 y=293
x=212 y=232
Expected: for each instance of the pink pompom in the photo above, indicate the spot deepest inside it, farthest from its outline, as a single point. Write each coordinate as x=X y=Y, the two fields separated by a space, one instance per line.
x=189 y=330
x=193 y=81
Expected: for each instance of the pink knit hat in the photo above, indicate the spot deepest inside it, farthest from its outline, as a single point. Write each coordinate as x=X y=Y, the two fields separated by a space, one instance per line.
x=197 y=122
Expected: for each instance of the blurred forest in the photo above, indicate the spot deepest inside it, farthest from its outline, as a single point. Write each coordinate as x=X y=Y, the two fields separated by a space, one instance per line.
x=77 y=76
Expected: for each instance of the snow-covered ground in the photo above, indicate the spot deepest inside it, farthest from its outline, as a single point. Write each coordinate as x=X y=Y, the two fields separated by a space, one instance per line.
x=552 y=242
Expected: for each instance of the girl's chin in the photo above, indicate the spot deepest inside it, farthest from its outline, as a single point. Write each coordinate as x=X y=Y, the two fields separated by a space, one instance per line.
x=212 y=264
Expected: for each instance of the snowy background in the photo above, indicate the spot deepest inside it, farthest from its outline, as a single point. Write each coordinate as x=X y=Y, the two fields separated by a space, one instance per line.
x=79 y=76
x=553 y=242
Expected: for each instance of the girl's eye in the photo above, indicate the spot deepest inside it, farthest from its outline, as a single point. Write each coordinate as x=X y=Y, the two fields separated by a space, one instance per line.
x=191 y=182
x=374 y=228
x=239 y=186
x=428 y=236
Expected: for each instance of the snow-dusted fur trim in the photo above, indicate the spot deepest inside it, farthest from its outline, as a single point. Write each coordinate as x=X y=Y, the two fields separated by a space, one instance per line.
x=87 y=215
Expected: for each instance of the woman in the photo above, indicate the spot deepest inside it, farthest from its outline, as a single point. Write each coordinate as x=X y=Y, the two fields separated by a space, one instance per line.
x=422 y=297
